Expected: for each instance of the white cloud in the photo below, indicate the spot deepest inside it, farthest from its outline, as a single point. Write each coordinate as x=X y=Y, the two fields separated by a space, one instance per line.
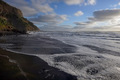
x=102 y=19
x=90 y=2
x=79 y=2
x=43 y=6
x=84 y=23
x=18 y=2
x=33 y=7
x=73 y=2
x=79 y=13
x=28 y=11
x=106 y=14
x=50 y=19
x=63 y=17
x=51 y=22
x=116 y=5
x=56 y=28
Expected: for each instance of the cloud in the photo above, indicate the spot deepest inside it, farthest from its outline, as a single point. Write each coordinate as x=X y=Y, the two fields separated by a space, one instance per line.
x=28 y=11
x=33 y=7
x=79 y=2
x=91 y=2
x=56 y=28
x=41 y=6
x=102 y=19
x=103 y=15
x=84 y=23
x=116 y=5
x=17 y=2
x=79 y=13
x=50 y=19
x=73 y=2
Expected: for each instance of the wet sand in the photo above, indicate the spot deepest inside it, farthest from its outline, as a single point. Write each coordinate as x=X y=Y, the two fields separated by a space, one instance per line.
x=14 y=66
x=34 y=44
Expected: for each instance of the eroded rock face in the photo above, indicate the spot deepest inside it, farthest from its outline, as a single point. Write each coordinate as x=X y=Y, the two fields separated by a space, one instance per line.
x=11 y=19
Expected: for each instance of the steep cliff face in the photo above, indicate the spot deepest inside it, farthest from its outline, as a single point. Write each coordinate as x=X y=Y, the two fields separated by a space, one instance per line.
x=11 y=19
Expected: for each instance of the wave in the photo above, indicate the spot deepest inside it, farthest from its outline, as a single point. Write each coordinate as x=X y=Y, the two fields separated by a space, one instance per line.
x=87 y=55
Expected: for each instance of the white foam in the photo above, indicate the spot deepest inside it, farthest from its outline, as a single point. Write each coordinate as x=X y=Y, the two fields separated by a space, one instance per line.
x=72 y=63
x=108 y=62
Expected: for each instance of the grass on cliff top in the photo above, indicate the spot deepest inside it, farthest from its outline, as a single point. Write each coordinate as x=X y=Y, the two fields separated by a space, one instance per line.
x=3 y=23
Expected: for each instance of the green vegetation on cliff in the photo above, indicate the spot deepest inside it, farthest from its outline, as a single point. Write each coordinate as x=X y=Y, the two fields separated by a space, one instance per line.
x=11 y=19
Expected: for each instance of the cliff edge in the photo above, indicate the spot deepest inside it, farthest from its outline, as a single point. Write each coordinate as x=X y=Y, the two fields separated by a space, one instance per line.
x=12 y=20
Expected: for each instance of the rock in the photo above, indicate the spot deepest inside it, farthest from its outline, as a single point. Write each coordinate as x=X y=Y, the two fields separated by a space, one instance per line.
x=12 y=20
x=92 y=71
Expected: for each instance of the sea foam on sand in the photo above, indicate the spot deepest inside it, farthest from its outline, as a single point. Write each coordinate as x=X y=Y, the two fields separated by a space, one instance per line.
x=97 y=55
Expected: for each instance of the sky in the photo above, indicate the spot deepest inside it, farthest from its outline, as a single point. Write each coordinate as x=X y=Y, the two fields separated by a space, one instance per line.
x=71 y=15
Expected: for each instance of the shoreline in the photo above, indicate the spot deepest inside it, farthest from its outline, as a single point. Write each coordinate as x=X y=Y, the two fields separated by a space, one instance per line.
x=27 y=67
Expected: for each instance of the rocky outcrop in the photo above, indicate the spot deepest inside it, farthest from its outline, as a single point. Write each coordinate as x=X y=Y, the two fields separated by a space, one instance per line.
x=12 y=20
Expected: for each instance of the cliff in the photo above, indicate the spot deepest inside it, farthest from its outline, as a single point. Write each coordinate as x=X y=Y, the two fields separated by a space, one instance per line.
x=12 y=20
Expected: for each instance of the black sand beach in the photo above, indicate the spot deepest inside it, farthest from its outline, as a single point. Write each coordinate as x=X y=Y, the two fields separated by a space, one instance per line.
x=36 y=44
x=15 y=66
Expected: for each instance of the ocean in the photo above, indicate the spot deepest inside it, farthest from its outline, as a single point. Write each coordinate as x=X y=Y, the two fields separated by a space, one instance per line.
x=87 y=55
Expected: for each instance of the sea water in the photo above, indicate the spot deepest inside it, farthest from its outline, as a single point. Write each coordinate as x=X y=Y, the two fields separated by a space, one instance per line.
x=92 y=55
